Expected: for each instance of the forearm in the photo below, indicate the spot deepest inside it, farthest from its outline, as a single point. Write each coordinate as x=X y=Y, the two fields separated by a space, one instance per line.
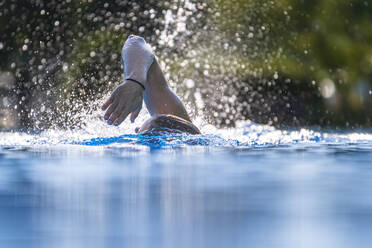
x=159 y=98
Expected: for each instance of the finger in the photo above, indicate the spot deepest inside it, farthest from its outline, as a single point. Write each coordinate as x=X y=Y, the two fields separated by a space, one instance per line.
x=107 y=103
x=121 y=118
x=110 y=110
x=135 y=114
x=117 y=112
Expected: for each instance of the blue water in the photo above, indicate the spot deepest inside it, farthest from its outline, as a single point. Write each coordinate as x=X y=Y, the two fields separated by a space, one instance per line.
x=252 y=186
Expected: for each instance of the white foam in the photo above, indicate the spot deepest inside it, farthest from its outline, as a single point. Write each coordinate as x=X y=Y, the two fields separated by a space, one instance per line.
x=246 y=134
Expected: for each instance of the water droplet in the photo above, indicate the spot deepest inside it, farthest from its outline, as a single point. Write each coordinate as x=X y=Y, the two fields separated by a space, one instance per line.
x=65 y=67
x=327 y=88
x=190 y=83
x=199 y=100
x=276 y=76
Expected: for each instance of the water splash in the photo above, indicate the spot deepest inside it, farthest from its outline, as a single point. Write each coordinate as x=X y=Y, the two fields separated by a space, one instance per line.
x=96 y=133
x=69 y=63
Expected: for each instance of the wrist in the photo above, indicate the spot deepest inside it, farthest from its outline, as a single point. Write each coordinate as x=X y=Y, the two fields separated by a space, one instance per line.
x=135 y=86
x=137 y=82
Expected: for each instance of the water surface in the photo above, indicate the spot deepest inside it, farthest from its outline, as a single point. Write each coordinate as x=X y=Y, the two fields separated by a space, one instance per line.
x=252 y=186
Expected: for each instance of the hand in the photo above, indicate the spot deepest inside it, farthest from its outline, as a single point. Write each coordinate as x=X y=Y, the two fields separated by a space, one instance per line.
x=125 y=99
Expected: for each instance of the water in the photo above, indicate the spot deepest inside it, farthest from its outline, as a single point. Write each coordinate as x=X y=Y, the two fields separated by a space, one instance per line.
x=251 y=186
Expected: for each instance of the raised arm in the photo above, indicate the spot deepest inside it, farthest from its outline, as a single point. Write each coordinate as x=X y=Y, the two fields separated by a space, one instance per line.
x=143 y=78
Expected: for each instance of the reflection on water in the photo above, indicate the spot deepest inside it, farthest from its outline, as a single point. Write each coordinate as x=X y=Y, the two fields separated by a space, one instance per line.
x=302 y=195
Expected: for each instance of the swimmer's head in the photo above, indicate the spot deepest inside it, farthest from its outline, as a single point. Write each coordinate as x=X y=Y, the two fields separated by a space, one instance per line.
x=168 y=122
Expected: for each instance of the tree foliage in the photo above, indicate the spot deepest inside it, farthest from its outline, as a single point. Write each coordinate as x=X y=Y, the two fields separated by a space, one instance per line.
x=325 y=43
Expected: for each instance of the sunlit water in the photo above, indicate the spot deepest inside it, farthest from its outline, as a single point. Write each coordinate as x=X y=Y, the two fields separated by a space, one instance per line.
x=251 y=186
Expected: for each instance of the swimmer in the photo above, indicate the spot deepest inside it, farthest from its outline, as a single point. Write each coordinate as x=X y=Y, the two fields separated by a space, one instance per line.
x=144 y=80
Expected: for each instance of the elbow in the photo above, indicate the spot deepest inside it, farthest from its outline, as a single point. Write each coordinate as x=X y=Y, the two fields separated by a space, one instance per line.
x=134 y=41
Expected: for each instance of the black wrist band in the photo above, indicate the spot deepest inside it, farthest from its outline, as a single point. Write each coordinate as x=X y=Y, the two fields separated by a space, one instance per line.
x=129 y=79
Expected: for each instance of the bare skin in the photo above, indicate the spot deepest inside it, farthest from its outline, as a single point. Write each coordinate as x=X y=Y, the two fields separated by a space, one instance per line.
x=127 y=98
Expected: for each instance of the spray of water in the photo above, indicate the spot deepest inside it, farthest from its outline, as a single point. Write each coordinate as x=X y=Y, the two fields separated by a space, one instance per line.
x=71 y=57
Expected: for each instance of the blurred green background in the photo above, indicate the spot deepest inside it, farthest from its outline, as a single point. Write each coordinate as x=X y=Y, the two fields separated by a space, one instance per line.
x=283 y=63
